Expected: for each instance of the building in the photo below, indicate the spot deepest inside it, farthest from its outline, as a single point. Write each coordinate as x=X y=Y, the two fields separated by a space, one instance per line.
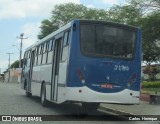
x=12 y=75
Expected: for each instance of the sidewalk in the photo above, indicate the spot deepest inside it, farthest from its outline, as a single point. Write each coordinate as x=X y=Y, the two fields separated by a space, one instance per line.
x=144 y=108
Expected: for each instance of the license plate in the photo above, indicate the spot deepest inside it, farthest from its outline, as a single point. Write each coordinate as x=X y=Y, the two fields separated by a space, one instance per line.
x=109 y=86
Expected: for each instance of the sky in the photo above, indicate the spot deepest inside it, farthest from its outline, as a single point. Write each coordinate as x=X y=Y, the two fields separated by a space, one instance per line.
x=25 y=16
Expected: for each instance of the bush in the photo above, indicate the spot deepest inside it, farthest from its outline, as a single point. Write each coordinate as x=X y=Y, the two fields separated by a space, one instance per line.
x=151 y=84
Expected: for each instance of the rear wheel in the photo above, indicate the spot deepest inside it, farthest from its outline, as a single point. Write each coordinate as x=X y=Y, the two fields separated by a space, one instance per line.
x=43 y=96
x=90 y=106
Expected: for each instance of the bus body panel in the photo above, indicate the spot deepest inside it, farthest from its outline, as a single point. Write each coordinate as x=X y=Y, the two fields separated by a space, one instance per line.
x=89 y=95
x=105 y=75
x=84 y=78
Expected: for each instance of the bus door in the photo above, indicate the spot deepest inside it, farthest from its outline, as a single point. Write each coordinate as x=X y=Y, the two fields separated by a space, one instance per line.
x=32 y=56
x=64 y=60
x=55 y=67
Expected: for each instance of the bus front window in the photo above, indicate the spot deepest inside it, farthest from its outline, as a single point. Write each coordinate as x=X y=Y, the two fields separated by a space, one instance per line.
x=107 y=41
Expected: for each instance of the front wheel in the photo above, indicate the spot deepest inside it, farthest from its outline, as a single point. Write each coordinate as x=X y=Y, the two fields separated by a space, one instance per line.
x=43 y=96
x=28 y=94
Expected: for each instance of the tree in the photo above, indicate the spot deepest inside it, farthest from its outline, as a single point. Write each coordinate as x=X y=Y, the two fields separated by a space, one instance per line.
x=64 y=13
x=47 y=27
x=126 y=14
x=151 y=38
x=146 y=6
x=15 y=64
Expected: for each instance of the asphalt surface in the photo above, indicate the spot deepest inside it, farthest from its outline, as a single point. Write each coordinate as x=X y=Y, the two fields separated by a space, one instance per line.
x=14 y=102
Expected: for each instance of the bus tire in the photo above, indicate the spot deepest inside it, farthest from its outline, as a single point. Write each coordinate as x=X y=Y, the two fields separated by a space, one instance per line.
x=28 y=94
x=43 y=96
x=90 y=106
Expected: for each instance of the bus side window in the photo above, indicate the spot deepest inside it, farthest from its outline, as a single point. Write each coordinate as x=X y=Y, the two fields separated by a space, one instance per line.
x=47 y=48
x=66 y=40
x=35 y=59
x=40 y=54
x=50 y=51
x=42 y=47
x=44 y=53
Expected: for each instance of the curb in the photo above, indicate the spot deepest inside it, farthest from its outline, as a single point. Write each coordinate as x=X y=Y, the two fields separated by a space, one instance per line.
x=145 y=97
x=114 y=111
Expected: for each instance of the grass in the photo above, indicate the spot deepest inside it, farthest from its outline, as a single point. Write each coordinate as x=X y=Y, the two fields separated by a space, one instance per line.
x=149 y=87
x=150 y=90
x=149 y=84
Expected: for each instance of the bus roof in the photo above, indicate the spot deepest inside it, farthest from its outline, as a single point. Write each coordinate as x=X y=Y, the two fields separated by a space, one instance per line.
x=109 y=23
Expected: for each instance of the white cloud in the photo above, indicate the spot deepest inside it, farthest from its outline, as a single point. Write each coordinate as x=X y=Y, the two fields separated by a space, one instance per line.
x=90 y=6
x=111 y=2
x=28 y=8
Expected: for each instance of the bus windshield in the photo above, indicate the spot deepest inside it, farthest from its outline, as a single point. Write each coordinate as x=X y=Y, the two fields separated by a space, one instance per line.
x=107 y=41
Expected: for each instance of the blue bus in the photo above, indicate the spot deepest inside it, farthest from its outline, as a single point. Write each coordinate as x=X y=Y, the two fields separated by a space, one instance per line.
x=85 y=61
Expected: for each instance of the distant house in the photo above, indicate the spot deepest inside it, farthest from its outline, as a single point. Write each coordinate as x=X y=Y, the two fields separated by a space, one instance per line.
x=1 y=77
x=15 y=75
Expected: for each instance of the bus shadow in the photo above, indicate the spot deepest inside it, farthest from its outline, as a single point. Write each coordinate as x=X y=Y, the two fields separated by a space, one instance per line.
x=64 y=108
x=73 y=112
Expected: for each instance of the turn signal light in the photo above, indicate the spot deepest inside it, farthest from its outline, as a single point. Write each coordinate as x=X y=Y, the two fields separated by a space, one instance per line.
x=80 y=75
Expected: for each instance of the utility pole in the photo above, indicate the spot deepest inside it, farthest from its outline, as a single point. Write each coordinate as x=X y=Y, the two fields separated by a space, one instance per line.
x=9 y=66
x=20 y=53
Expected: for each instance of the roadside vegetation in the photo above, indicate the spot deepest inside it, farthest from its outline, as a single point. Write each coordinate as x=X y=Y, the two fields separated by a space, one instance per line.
x=151 y=87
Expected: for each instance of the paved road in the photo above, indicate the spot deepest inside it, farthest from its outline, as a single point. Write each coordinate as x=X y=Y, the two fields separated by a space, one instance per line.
x=14 y=102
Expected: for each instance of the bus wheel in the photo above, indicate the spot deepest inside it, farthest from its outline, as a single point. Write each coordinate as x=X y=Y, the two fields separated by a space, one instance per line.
x=28 y=94
x=43 y=96
x=90 y=106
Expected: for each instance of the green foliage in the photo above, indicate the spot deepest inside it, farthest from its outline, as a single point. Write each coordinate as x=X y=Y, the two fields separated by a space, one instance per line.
x=126 y=14
x=146 y=5
x=151 y=84
x=64 y=13
x=47 y=27
x=151 y=36
x=150 y=90
x=150 y=24
x=15 y=64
